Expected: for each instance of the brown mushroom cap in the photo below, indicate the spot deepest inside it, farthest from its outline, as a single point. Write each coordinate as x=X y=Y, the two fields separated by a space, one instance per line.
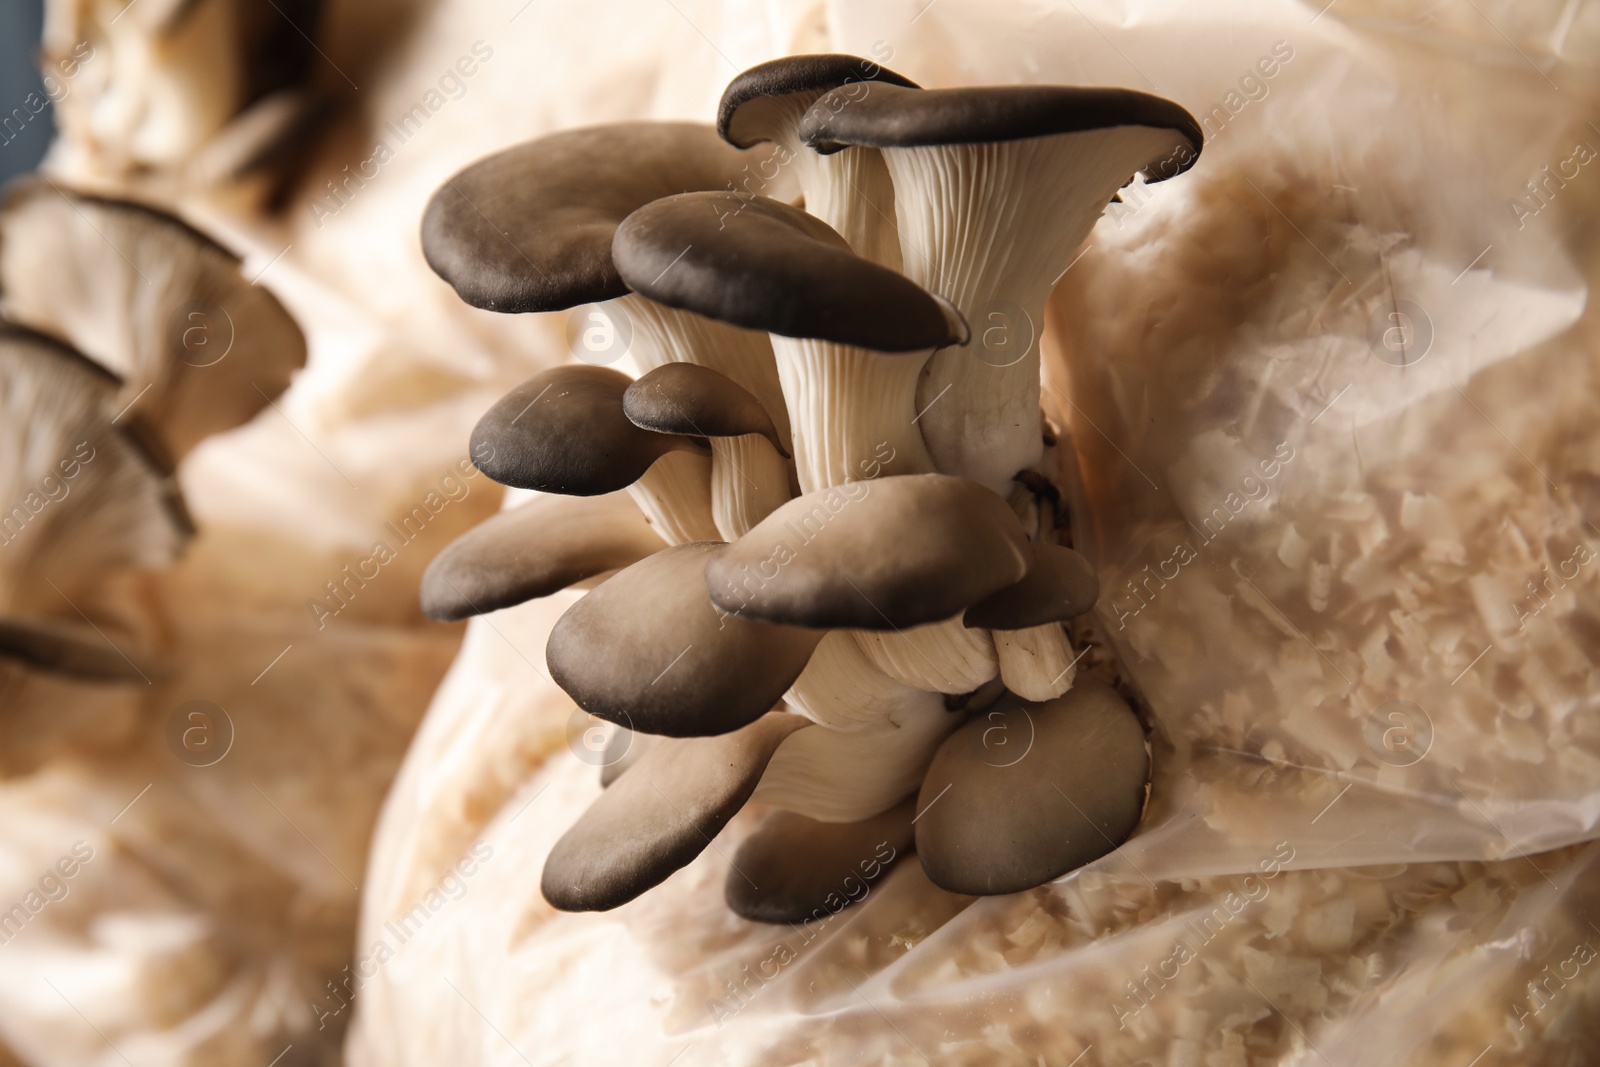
x=1024 y=793
x=779 y=90
x=646 y=649
x=763 y=265
x=198 y=348
x=564 y=431
x=532 y=550
x=1060 y=585
x=61 y=647
x=686 y=398
x=660 y=815
x=794 y=868
x=894 y=117
x=529 y=228
x=895 y=552
x=82 y=498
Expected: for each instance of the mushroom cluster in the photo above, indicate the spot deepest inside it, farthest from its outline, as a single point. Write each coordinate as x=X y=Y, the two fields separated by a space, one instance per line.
x=126 y=337
x=839 y=584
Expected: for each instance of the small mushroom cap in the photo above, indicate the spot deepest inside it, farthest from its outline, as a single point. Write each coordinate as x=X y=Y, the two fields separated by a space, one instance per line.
x=660 y=815
x=794 y=868
x=885 y=554
x=763 y=265
x=564 y=431
x=1060 y=585
x=533 y=550
x=199 y=349
x=646 y=649
x=529 y=228
x=82 y=498
x=686 y=398
x=754 y=102
x=1034 y=791
x=893 y=117
x=65 y=648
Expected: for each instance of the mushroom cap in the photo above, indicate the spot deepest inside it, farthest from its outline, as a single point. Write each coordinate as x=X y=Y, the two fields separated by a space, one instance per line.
x=529 y=228
x=66 y=648
x=198 y=347
x=1034 y=791
x=886 y=554
x=763 y=265
x=686 y=398
x=83 y=498
x=564 y=431
x=532 y=550
x=794 y=868
x=745 y=115
x=660 y=815
x=893 y=117
x=645 y=649
x=1060 y=585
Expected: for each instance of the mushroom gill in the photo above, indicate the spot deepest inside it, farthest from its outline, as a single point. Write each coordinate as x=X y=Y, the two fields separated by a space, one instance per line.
x=845 y=639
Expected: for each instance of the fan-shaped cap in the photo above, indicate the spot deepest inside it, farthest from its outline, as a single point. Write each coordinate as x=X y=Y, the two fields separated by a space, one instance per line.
x=564 y=431
x=660 y=815
x=646 y=649
x=890 y=553
x=769 y=93
x=1060 y=585
x=794 y=868
x=763 y=265
x=686 y=398
x=532 y=550
x=1035 y=791
x=529 y=228
x=893 y=117
x=198 y=347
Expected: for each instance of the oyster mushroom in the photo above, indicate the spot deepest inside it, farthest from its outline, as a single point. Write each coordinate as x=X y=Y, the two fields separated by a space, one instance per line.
x=1035 y=656
x=1034 y=791
x=850 y=336
x=895 y=552
x=995 y=188
x=851 y=190
x=564 y=431
x=532 y=550
x=794 y=868
x=198 y=348
x=660 y=815
x=530 y=228
x=647 y=650
x=684 y=398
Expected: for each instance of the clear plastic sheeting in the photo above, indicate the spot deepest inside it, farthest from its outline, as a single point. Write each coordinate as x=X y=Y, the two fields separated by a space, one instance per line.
x=1332 y=399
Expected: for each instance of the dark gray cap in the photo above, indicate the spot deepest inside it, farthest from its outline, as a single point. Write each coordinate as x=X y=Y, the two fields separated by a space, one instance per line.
x=529 y=228
x=660 y=815
x=898 y=551
x=532 y=550
x=763 y=265
x=686 y=398
x=646 y=649
x=1035 y=791
x=893 y=117
x=1060 y=585
x=745 y=115
x=564 y=431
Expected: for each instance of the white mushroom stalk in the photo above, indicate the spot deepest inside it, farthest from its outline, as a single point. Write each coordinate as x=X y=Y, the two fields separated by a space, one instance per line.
x=995 y=191
x=829 y=654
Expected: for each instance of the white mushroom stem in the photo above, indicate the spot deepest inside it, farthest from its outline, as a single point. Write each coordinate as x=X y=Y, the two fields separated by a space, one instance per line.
x=991 y=227
x=749 y=480
x=841 y=689
x=849 y=775
x=1037 y=663
x=675 y=496
x=941 y=657
x=664 y=335
x=851 y=191
x=853 y=411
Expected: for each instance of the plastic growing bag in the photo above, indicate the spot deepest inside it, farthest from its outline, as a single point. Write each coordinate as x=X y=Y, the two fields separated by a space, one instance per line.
x=1331 y=400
